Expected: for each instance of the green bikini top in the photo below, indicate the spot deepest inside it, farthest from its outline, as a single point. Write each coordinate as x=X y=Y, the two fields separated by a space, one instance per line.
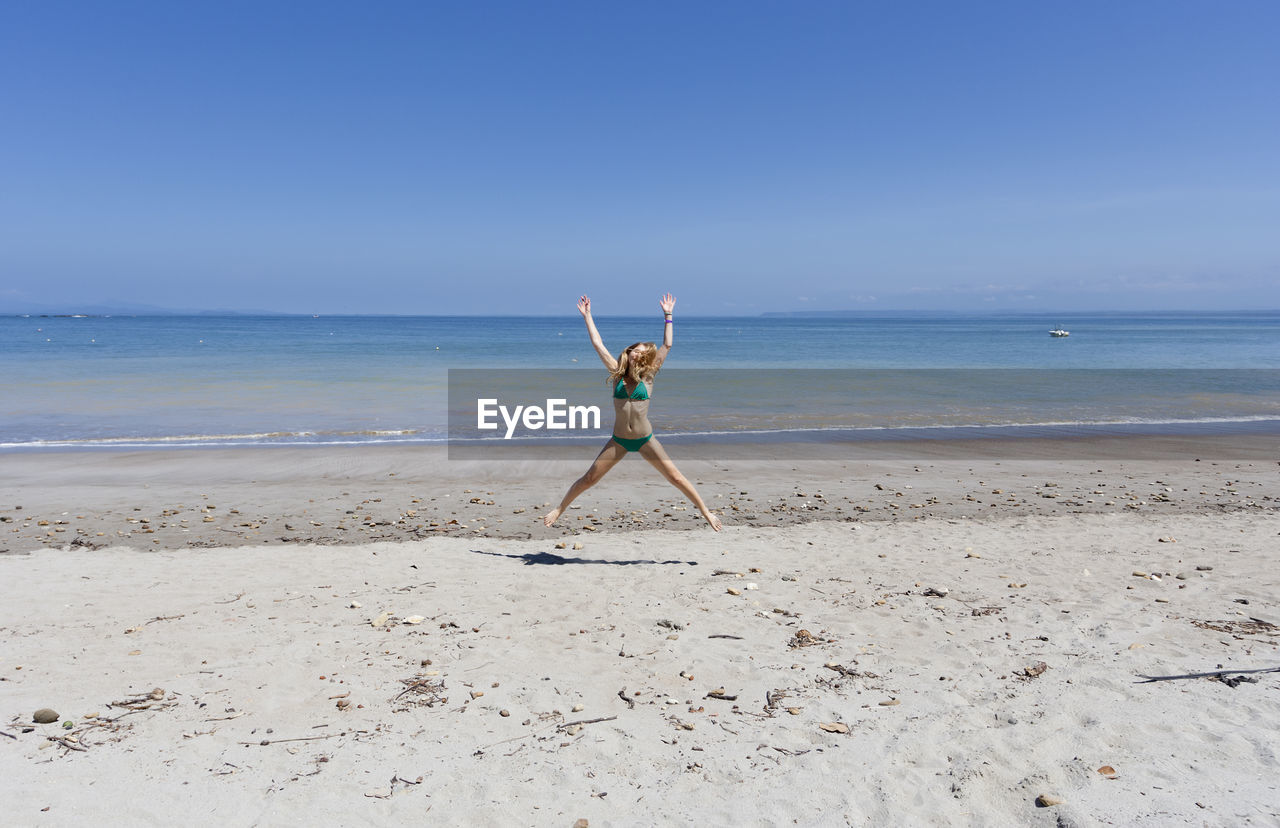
x=620 y=391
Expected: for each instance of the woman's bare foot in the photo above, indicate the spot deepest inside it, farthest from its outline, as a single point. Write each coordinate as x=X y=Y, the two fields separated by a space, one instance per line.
x=551 y=517
x=712 y=519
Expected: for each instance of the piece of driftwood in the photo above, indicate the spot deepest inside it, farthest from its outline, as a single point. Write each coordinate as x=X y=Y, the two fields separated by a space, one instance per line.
x=1210 y=674
x=585 y=722
x=265 y=742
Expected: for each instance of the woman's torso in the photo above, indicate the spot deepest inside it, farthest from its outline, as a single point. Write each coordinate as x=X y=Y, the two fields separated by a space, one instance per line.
x=631 y=414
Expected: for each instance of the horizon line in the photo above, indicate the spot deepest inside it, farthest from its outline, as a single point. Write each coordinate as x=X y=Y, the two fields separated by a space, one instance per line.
x=810 y=313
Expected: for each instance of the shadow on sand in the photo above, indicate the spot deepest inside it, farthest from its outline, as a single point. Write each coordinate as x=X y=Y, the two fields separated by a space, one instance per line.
x=548 y=559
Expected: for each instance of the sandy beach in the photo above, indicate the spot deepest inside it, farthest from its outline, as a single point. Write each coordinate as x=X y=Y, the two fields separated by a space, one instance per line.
x=922 y=635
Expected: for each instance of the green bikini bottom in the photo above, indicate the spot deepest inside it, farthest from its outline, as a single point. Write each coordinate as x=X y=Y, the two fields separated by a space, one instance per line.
x=632 y=444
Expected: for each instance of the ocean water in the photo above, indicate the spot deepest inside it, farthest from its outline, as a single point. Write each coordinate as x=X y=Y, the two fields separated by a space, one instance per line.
x=130 y=381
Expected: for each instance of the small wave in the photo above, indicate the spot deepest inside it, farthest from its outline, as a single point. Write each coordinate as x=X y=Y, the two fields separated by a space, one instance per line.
x=1135 y=421
x=416 y=436
x=260 y=438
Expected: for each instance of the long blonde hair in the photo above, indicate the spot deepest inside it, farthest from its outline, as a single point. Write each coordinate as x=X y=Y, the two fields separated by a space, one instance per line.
x=637 y=369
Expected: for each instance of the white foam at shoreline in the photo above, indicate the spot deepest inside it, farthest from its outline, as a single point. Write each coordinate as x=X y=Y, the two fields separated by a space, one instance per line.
x=415 y=437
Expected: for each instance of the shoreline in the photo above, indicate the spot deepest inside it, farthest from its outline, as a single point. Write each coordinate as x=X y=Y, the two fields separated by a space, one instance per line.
x=199 y=498
x=732 y=442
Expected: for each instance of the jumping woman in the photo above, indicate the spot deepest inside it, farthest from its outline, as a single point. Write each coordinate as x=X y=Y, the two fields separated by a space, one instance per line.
x=631 y=374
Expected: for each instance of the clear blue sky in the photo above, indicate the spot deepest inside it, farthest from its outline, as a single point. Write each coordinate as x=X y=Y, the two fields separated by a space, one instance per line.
x=505 y=157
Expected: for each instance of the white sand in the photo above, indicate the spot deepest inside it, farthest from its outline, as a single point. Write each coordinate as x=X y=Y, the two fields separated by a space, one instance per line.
x=239 y=639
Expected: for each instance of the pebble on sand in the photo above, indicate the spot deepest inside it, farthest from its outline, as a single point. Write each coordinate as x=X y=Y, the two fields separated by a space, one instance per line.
x=45 y=715
x=1047 y=801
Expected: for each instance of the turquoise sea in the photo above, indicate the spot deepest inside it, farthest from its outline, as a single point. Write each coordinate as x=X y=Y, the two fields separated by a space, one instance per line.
x=136 y=381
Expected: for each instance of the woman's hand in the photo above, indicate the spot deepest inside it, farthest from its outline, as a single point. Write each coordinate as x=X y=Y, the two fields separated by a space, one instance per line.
x=667 y=302
x=584 y=307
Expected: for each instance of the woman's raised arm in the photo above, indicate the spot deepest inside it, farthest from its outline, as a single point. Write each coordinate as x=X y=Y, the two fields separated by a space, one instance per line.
x=584 y=307
x=668 y=305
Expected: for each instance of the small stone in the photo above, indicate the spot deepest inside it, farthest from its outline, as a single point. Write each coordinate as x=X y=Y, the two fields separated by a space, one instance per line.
x=1136 y=646
x=1204 y=569
x=794 y=711
x=354 y=605
x=733 y=591
x=834 y=727
x=672 y=701
x=1181 y=576
x=475 y=694
x=414 y=619
x=562 y=545
x=753 y=586
x=1107 y=771
x=45 y=715
x=1033 y=670
x=578 y=708
x=1138 y=573
x=581 y=823
x=1047 y=801
x=890 y=703
x=380 y=620
x=504 y=713
x=577 y=545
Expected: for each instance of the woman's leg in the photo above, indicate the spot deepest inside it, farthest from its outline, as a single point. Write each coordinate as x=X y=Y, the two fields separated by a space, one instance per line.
x=605 y=460
x=654 y=453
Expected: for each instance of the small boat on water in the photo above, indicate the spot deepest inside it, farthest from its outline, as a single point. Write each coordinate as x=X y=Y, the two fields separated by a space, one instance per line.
x=1059 y=332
